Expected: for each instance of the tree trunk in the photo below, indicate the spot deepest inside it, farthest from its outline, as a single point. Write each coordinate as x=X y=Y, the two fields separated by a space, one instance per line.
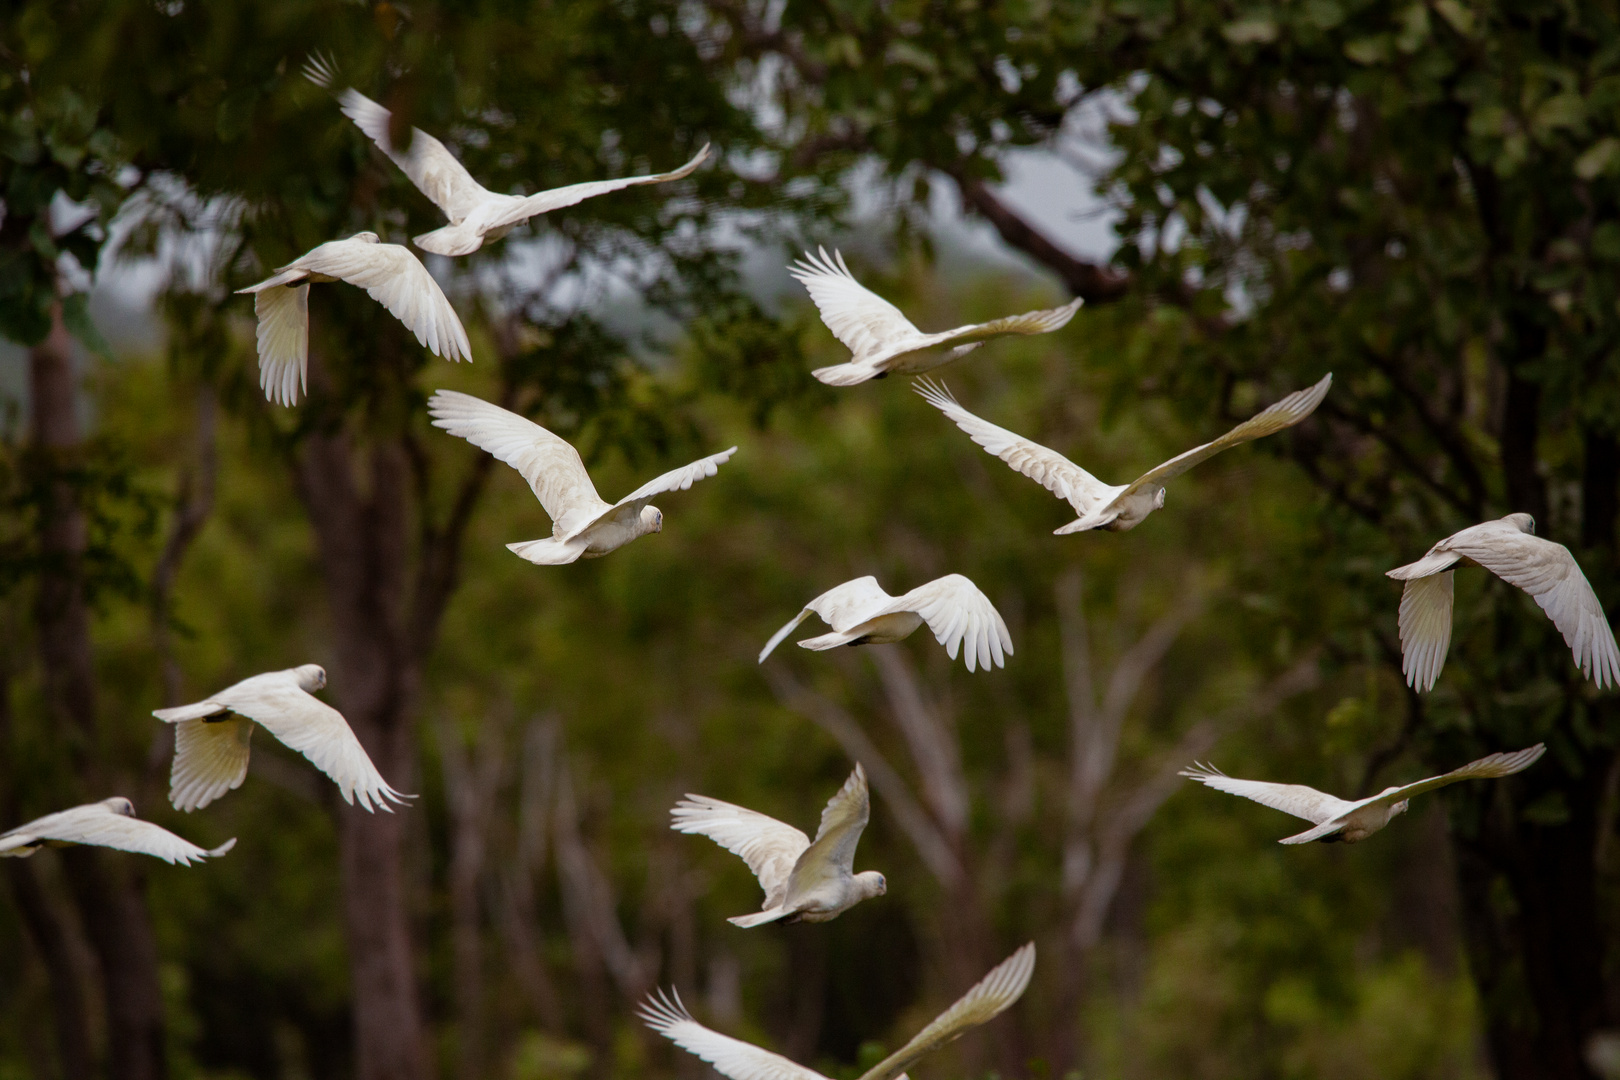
x=108 y=890
x=362 y=538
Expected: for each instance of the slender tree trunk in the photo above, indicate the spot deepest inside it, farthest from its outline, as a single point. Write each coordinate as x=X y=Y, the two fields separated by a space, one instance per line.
x=108 y=890
x=362 y=538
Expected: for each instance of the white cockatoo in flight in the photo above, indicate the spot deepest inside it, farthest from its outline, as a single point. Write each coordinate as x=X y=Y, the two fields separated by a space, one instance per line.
x=477 y=215
x=390 y=274
x=1510 y=549
x=883 y=340
x=110 y=823
x=1100 y=505
x=211 y=739
x=583 y=525
x=990 y=997
x=861 y=613
x=803 y=881
x=1334 y=819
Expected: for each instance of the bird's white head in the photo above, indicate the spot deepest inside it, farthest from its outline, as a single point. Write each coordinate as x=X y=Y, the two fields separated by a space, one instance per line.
x=367 y=237
x=872 y=883
x=119 y=805
x=652 y=519
x=311 y=677
x=1398 y=809
x=1523 y=522
x=1158 y=499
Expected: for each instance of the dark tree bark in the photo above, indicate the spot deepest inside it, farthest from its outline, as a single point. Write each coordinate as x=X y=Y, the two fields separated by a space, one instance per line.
x=107 y=888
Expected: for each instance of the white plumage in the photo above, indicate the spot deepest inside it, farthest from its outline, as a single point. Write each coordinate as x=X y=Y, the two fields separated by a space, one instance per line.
x=110 y=823
x=989 y=998
x=477 y=215
x=882 y=339
x=1336 y=819
x=813 y=882
x=861 y=613
x=583 y=525
x=390 y=274
x=1100 y=505
x=1510 y=549
x=211 y=745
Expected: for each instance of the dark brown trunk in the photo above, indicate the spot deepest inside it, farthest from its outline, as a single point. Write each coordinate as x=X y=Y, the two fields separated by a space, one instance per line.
x=362 y=539
x=1521 y=428
x=1600 y=491
x=107 y=888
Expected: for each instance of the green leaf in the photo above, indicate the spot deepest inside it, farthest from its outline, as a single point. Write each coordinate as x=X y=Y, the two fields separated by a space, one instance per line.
x=1369 y=50
x=1597 y=158
x=76 y=317
x=1256 y=30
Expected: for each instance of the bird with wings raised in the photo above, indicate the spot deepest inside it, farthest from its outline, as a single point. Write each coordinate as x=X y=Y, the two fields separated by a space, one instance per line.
x=861 y=613
x=211 y=739
x=110 y=823
x=583 y=525
x=1340 y=820
x=1099 y=505
x=990 y=997
x=1510 y=549
x=390 y=274
x=803 y=881
x=477 y=215
x=883 y=340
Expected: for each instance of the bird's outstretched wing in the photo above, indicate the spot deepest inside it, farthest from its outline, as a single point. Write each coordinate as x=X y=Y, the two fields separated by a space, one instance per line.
x=210 y=758
x=397 y=280
x=956 y=611
x=1281 y=414
x=665 y=1014
x=1489 y=767
x=989 y=998
x=315 y=729
x=1297 y=799
x=1028 y=323
x=96 y=824
x=521 y=210
x=1549 y=573
x=283 y=336
x=840 y=607
x=675 y=480
x=1045 y=466
x=769 y=847
x=429 y=164
x=548 y=462
x=832 y=855
x=1425 y=626
x=857 y=316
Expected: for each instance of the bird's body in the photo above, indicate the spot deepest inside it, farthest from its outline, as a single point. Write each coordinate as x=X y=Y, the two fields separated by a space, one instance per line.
x=882 y=340
x=477 y=215
x=212 y=736
x=1100 y=505
x=109 y=823
x=803 y=880
x=1341 y=820
x=1510 y=549
x=583 y=524
x=733 y=1058
x=861 y=613
x=390 y=274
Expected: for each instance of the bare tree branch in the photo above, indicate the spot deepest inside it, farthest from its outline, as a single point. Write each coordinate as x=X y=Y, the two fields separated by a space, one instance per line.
x=933 y=749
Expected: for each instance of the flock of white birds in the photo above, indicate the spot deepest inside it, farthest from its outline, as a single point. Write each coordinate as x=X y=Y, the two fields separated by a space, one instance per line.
x=803 y=879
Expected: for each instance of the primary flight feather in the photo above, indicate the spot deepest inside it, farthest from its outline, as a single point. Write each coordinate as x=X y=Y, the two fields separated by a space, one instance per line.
x=861 y=613
x=211 y=739
x=990 y=997
x=882 y=339
x=390 y=274
x=477 y=215
x=583 y=525
x=110 y=823
x=1510 y=549
x=1334 y=819
x=1100 y=505
x=812 y=881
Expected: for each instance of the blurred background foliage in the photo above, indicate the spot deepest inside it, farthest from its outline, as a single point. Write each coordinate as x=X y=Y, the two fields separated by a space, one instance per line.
x=1418 y=197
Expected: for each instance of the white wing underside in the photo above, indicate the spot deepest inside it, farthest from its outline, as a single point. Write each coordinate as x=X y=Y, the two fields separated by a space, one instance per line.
x=769 y=847
x=283 y=338
x=832 y=854
x=957 y=611
x=96 y=824
x=522 y=208
x=1296 y=799
x=675 y=480
x=210 y=758
x=666 y=1014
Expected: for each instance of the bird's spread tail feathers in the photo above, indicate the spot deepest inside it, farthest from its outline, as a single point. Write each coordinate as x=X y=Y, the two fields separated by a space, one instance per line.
x=759 y=918
x=198 y=711
x=547 y=552
x=831 y=641
x=452 y=240
x=1432 y=563
x=846 y=374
